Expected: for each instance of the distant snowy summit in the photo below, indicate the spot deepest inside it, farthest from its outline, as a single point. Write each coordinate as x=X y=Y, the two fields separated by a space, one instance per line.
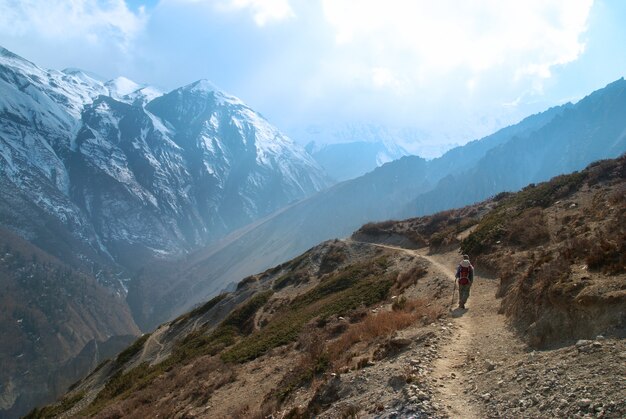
x=343 y=161
x=126 y=169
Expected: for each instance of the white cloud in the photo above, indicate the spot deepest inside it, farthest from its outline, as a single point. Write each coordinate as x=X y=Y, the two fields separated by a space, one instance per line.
x=426 y=41
x=383 y=77
x=92 y=20
x=263 y=11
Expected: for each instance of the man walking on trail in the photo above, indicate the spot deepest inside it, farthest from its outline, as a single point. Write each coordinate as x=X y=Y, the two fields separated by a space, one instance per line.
x=465 y=276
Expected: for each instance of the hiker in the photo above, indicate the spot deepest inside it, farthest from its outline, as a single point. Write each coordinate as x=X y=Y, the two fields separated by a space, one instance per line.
x=465 y=276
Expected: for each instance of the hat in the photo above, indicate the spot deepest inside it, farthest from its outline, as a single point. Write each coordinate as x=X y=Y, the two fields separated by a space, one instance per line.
x=465 y=263
x=466 y=257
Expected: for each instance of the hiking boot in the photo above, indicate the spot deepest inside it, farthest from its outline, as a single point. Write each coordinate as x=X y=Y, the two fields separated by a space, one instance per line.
x=462 y=306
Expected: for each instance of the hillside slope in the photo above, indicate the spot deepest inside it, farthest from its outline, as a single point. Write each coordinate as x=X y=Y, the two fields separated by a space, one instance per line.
x=50 y=312
x=330 y=213
x=353 y=328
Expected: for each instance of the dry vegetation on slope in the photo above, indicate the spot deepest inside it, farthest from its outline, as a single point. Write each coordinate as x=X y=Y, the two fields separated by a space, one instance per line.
x=335 y=308
x=559 y=249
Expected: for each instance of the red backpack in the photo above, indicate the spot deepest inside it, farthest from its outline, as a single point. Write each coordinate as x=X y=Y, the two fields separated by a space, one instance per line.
x=464 y=274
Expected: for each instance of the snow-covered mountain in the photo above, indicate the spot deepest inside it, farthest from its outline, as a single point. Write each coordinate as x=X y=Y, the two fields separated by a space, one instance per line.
x=127 y=170
x=414 y=140
x=99 y=178
x=345 y=161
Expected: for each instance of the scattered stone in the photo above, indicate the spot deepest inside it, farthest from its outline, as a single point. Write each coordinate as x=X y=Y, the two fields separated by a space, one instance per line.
x=328 y=393
x=489 y=365
x=584 y=402
x=400 y=343
x=397 y=382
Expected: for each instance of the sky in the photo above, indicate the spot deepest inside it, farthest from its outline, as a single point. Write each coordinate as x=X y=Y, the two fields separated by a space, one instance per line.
x=432 y=74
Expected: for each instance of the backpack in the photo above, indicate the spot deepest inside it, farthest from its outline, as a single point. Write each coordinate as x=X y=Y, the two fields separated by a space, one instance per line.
x=464 y=274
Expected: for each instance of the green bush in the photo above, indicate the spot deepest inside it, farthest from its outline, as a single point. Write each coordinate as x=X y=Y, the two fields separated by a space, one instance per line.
x=362 y=284
x=55 y=410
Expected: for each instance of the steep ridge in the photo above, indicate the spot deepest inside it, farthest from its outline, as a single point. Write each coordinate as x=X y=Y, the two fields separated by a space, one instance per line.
x=361 y=328
x=556 y=247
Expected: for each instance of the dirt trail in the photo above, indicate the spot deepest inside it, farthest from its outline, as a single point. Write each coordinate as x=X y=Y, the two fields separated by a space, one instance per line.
x=480 y=341
x=153 y=345
x=480 y=333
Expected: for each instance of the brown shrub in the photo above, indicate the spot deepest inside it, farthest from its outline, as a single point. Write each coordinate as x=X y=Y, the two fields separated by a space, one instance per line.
x=535 y=287
x=313 y=362
x=576 y=248
x=436 y=220
x=608 y=254
x=377 y=229
x=247 y=281
x=382 y=324
x=407 y=278
x=618 y=196
x=443 y=238
x=350 y=411
x=334 y=257
x=528 y=229
x=415 y=237
x=362 y=363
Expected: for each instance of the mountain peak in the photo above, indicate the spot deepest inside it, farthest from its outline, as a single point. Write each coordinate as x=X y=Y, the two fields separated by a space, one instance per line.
x=83 y=74
x=205 y=87
x=121 y=86
x=202 y=85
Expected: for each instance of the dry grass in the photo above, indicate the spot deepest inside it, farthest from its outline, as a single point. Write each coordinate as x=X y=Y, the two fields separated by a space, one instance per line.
x=528 y=229
x=408 y=278
x=208 y=373
x=379 y=325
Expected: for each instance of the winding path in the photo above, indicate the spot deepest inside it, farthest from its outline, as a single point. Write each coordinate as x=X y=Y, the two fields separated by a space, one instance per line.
x=480 y=340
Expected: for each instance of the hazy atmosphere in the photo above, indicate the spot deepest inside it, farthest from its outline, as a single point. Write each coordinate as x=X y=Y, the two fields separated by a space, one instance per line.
x=428 y=74
x=277 y=209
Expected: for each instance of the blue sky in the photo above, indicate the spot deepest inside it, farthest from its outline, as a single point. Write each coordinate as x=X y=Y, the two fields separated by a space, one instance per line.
x=451 y=70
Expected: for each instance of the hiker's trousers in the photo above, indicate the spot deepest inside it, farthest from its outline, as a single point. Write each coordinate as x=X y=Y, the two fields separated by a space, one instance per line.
x=464 y=292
